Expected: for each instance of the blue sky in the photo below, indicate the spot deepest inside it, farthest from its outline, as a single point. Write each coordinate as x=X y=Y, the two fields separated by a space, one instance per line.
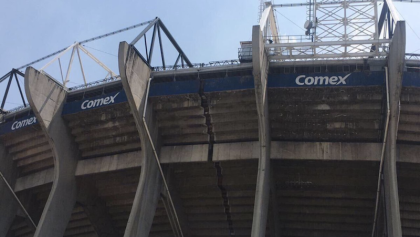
x=206 y=30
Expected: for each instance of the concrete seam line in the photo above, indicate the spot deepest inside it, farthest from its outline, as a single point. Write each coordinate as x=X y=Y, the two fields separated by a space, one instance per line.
x=225 y=197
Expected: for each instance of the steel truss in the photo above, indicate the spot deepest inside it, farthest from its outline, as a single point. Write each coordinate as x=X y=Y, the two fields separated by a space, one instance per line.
x=13 y=74
x=198 y=65
x=75 y=49
x=341 y=29
x=95 y=83
x=158 y=26
x=334 y=2
x=412 y=56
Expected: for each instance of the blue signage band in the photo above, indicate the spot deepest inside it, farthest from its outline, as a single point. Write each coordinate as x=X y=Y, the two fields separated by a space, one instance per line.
x=95 y=102
x=18 y=124
x=326 y=79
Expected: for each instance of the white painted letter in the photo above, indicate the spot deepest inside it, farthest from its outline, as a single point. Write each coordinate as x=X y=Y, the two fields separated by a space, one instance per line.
x=297 y=80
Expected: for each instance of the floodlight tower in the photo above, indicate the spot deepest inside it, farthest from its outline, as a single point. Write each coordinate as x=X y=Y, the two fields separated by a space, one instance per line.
x=260 y=10
x=345 y=21
x=334 y=29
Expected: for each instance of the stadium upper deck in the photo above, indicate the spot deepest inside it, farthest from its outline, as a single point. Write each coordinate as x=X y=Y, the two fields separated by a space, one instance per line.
x=258 y=148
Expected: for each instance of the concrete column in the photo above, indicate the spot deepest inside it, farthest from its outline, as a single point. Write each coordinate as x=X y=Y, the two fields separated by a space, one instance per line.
x=395 y=69
x=135 y=75
x=47 y=97
x=8 y=204
x=262 y=194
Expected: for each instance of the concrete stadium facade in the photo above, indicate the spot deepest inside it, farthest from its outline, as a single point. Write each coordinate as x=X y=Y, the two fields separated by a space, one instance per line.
x=258 y=148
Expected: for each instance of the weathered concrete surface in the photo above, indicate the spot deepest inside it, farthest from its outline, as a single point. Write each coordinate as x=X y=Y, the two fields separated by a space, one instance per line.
x=236 y=151
x=189 y=153
x=341 y=114
x=289 y=150
x=109 y=163
x=84 y=167
x=233 y=115
x=181 y=119
x=8 y=204
x=108 y=130
x=396 y=69
x=260 y=69
x=34 y=180
x=135 y=75
x=326 y=151
x=46 y=98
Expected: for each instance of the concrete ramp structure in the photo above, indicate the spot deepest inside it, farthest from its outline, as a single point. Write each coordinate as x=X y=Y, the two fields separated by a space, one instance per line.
x=268 y=145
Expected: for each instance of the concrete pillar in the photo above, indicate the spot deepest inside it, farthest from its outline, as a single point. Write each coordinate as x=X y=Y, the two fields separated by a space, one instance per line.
x=47 y=97
x=262 y=194
x=135 y=75
x=8 y=204
x=395 y=69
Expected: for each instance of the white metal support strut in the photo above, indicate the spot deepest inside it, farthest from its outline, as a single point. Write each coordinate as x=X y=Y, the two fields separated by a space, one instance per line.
x=81 y=65
x=75 y=49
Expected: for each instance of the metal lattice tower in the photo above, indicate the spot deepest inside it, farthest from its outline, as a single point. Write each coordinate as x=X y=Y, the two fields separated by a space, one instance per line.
x=345 y=21
x=334 y=29
x=260 y=10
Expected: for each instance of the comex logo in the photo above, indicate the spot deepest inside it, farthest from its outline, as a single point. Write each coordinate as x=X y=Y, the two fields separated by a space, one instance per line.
x=334 y=80
x=87 y=104
x=23 y=123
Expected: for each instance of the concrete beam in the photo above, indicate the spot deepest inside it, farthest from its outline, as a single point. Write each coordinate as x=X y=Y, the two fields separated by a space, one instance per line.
x=84 y=167
x=34 y=180
x=326 y=151
x=47 y=97
x=109 y=163
x=189 y=153
x=349 y=151
x=395 y=71
x=236 y=151
x=135 y=75
x=260 y=71
x=8 y=204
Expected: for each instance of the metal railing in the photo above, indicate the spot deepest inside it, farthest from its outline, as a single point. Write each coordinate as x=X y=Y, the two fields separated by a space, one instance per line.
x=412 y=56
x=17 y=109
x=283 y=39
x=197 y=65
x=95 y=83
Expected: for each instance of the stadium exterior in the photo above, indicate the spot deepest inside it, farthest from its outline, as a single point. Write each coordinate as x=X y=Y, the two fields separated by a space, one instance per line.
x=254 y=147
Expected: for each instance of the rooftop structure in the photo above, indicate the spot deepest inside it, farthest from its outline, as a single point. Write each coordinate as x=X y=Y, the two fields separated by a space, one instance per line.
x=311 y=136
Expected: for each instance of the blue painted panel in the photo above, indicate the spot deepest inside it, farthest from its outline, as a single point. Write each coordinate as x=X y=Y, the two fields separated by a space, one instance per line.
x=18 y=124
x=411 y=79
x=174 y=88
x=229 y=84
x=95 y=102
x=326 y=79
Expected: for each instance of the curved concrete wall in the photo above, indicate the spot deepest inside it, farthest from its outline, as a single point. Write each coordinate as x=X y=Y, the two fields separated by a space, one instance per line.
x=135 y=75
x=46 y=97
x=396 y=70
x=8 y=205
